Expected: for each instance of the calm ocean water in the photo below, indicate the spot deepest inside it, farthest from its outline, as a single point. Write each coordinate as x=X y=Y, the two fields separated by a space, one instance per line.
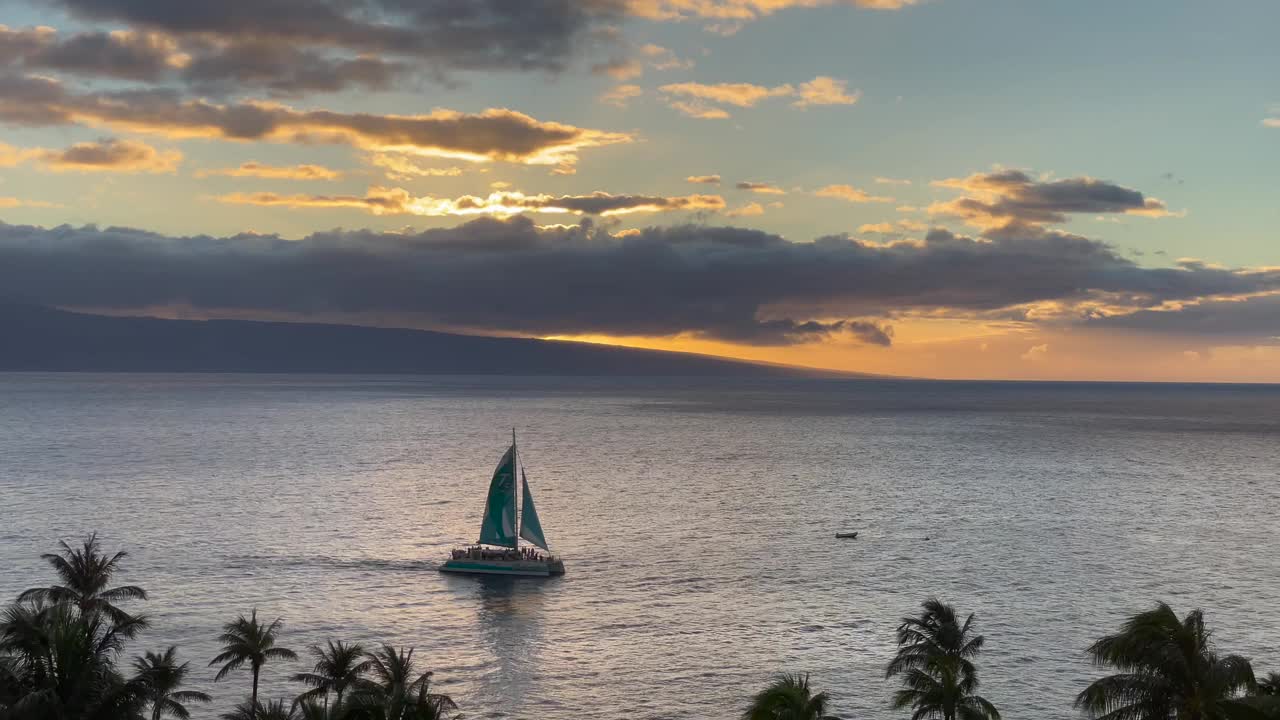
x=696 y=519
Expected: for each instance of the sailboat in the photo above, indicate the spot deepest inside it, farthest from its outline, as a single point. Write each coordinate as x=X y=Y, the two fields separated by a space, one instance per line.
x=498 y=551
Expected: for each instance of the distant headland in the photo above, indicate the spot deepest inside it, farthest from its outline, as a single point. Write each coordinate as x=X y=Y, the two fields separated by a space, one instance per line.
x=37 y=338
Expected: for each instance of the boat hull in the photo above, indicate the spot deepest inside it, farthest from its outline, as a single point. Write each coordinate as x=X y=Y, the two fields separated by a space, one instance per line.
x=514 y=568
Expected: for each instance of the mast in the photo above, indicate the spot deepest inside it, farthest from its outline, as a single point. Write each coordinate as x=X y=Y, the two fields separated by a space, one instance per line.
x=515 y=468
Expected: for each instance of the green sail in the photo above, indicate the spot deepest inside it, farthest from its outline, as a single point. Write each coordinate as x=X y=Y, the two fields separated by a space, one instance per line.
x=499 y=525
x=530 y=527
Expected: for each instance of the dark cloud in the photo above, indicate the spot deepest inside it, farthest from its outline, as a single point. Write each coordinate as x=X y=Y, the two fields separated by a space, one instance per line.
x=443 y=34
x=1254 y=318
x=760 y=187
x=1014 y=202
x=204 y=66
x=494 y=134
x=513 y=276
x=113 y=155
x=124 y=55
x=284 y=70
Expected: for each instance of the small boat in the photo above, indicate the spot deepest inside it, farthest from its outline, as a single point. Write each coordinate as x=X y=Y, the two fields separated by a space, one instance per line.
x=847 y=536
x=498 y=551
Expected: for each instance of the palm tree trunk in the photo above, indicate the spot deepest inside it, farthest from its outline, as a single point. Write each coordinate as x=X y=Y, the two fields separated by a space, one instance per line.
x=253 y=702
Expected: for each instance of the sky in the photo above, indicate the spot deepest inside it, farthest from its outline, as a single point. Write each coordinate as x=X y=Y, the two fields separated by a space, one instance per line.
x=1001 y=189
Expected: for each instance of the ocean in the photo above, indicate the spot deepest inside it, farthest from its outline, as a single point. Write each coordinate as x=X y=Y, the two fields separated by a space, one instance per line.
x=696 y=519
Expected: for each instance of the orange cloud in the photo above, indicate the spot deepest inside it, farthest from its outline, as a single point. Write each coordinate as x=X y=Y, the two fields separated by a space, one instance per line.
x=754 y=208
x=699 y=99
x=401 y=167
x=105 y=155
x=743 y=10
x=661 y=58
x=620 y=95
x=849 y=193
x=13 y=202
x=703 y=179
x=824 y=90
x=11 y=156
x=698 y=110
x=274 y=172
x=737 y=94
x=398 y=201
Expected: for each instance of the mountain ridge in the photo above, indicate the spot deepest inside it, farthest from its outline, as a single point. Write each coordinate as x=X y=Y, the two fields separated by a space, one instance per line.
x=39 y=338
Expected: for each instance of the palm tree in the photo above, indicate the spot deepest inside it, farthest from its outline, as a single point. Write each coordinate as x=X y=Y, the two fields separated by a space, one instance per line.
x=935 y=660
x=247 y=641
x=161 y=676
x=1269 y=686
x=338 y=667
x=61 y=663
x=788 y=698
x=395 y=690
x=1167 y=670
x=85 y=573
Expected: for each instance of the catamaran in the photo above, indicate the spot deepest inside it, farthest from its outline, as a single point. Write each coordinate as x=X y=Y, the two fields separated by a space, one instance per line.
x=498 y=552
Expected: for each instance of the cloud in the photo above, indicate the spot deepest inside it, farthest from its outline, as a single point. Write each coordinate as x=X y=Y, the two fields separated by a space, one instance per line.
x=749 y=209
x=398 y=201
x=438 y=36
x=7 y=202
x=1036 y=352
x=727 y=283
x=660 y=58
x=1253 y=316
x=698 y=110
x=121 y=54
x=206 y=66
x=621 y=95
x=703 y=179
x=760 y=187
x=1006 y=200
x=110 y=155
x=11 y=156
x=700 y=100
x=495 y=134
x=256 y=169
x=650 y=55
x=284 y=70
x=891 y=181
x=740 y=11
x=402 y=167
x=619 y=68
x=104 y=155
x=737 y=94
x=849 y=193
x=824 y=90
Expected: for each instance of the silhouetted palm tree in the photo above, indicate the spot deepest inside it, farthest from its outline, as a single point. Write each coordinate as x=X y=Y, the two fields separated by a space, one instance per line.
x=788 y=698
x=1167 y=670
x=935 y=660
x=60 y=663
x=247 y=641
x=395 y=690
x=1270 y=685
x=338 y=667
x=85 y=573
x=161 y=677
